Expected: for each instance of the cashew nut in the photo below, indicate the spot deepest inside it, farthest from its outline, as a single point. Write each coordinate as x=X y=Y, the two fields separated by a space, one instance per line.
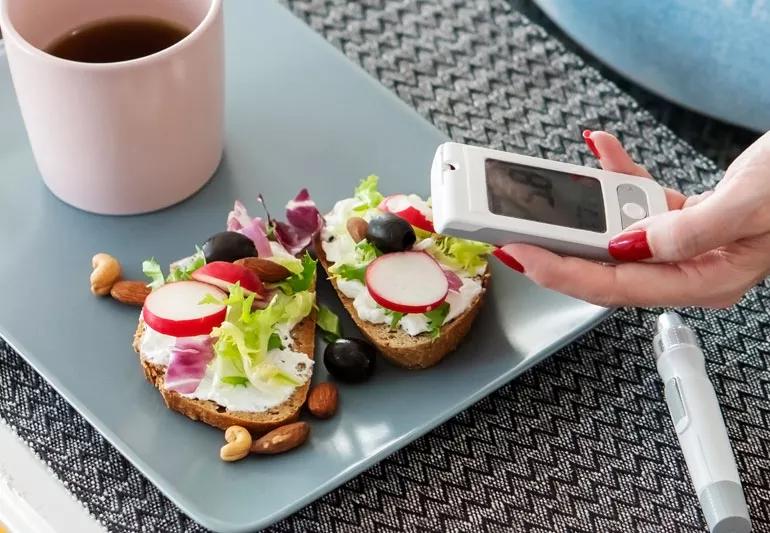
x=106 y=273
x=238 y=444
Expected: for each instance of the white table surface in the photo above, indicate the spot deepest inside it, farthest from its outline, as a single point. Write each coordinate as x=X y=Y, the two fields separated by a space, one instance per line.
x=32 y=500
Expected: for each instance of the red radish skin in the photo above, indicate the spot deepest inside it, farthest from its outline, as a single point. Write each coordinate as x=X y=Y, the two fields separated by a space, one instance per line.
x=223 y=274
x=175 y=309
x=407 y=282
x=401 y=206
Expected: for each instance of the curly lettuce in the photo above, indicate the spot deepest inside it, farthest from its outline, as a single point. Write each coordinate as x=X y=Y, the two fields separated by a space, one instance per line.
x=302 y=278
x=247 y=334
x=152 y=270
x=367 y=194
x=436 y=319
x=365 y=253
x=180 y=271
x=460 y=253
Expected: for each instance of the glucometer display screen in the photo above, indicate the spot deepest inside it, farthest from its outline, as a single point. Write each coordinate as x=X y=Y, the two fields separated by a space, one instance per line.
x=544 y=195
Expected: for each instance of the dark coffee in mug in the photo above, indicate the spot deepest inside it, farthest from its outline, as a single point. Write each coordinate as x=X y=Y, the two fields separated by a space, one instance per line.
x=117 y=39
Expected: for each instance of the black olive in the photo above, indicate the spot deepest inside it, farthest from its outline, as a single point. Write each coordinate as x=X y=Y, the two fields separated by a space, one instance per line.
x=390 y=233
x=228 y=246
x=350 y=360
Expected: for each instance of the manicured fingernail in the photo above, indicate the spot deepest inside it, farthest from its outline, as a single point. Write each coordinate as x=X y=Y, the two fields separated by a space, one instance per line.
x=508 y=260
x=630 y=246
x=590 y=143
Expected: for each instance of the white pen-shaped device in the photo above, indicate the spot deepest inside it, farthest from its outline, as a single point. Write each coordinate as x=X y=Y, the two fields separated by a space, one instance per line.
x=699 y=426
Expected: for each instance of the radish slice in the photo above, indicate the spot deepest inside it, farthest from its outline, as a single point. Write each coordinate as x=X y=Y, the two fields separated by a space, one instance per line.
x=416 y=214
x=175 y=309
x=223 y=274
x=455 y=283
x=407 y=282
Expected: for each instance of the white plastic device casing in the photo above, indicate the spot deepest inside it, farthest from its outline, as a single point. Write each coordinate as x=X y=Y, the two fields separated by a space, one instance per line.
x=699 y=426
x=461 y=207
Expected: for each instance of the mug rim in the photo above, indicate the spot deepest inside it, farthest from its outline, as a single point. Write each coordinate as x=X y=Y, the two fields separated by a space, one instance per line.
x=9 y=31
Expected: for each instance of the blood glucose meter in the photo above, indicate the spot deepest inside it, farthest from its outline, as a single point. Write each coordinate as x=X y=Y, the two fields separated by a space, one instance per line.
x=501 y=198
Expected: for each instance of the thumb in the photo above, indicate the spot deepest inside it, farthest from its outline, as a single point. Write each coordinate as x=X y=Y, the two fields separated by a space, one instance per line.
x=681 y=234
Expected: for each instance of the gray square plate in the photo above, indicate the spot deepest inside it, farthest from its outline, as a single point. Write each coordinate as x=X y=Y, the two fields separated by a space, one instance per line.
x=298 y=115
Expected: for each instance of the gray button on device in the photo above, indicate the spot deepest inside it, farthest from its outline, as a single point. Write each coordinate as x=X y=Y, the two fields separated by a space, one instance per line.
x=634 y=210
x=633 y=204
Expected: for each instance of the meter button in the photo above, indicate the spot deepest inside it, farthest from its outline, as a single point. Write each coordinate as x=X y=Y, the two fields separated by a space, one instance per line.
x=632 y=203
x=634 y=211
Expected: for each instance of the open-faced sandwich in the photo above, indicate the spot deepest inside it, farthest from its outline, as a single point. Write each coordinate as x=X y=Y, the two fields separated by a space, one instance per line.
x=412 y=292
x=228 y=336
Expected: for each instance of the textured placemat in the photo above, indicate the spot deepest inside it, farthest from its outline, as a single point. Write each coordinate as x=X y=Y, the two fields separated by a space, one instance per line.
x=582 y=442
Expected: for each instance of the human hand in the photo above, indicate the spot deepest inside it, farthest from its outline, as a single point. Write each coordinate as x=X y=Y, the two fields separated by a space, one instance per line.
x=708 y=250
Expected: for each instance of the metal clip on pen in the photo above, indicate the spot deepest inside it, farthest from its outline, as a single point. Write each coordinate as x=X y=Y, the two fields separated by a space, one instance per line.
x=699 y=426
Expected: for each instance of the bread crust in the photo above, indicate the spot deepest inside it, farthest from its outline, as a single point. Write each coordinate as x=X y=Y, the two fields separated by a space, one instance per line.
x=413 y=352
x=213 y=414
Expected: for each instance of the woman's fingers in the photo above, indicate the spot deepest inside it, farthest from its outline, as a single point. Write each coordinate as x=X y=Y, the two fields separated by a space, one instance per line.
x=599 y=284
x=632 y=284
x=613 y=157
x=611 y=154
x=714 y=221
x=696 y=199
x=708 y=222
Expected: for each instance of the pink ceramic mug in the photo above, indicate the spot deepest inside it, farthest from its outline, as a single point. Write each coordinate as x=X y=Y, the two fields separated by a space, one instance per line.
x=125 y=137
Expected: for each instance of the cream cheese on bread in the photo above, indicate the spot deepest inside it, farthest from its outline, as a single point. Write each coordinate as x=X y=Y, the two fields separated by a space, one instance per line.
x=414 y=323
x=339 y=247
x=156 y=348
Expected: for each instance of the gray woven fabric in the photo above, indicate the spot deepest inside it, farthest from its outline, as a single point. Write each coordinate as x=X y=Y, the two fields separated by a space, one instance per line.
x=582 y=442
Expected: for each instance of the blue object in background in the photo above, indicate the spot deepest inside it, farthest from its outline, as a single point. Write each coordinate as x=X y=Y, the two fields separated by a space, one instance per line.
x=713 y=57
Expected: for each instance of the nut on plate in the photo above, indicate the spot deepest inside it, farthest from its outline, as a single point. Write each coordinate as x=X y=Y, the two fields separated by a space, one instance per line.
x=322 y=400
x=266 y=269
x=106 y=271
x=238 y=444
x=130 y=292
x=282 y=439
x=357 y=228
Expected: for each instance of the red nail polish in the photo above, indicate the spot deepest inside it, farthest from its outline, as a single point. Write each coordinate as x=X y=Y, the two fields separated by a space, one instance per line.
x=507 y=260
x=630 y=246
x=590 y=143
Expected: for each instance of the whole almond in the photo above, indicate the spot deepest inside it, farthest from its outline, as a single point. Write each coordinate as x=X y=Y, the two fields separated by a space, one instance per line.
x=322 y=400
x=266 y=269
x=130 y=292
x=357 y=227
x=281 y=439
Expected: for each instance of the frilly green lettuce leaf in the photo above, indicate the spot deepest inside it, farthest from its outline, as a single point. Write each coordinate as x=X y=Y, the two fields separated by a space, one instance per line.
x=345 y=271
x=275 y=342
x=244 y=338
x=292 y=264
x=329 y=323
x=181 y=271
x=436 y=319
x=460 y=253
x=367 y=194
x=152 y=270
x=184 y=271
x=302 y=280
x=366 y=252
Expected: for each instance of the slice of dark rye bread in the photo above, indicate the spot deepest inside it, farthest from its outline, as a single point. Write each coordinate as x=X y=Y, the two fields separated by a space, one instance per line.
x=420 y=351
x=213 y=414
